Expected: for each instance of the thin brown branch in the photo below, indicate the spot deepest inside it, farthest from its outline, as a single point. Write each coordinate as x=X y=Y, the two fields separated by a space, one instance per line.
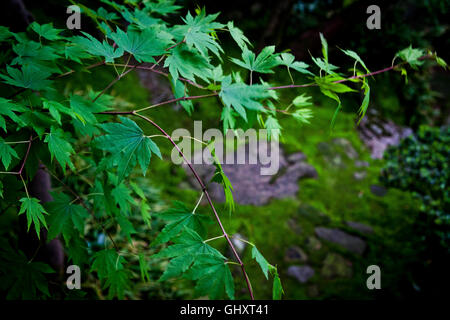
x=120 y=76
x=205 y=191
x=30 y=141
x=163 y=74
x=349 y=78
x=178 y=99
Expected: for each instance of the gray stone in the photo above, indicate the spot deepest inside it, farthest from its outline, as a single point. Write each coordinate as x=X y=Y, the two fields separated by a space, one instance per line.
x=352 y=243
x=347 y=147
x=313 y=244
x=378 y=134
x=359 y=175
x=295 y=254
x=361 y=227
x=313 y=215
x=301 y=273
x=313 y=291
x=238 y=244
x=379 y=191
x=336 y=266
x=249 y=185
x=296 y=157
x=293 y=225
x=360 y=164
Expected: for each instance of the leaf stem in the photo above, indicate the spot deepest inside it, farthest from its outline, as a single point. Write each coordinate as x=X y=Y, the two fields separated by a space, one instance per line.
x=231 y=262
x=215 y=238
x=198 y=203
x=24 y=185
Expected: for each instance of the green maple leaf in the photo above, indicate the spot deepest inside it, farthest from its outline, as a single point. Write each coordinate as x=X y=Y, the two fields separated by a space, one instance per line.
x=145 y=213
x=187 y=63
x=365 y=103
x=117 y=282
x=127 y=142
x=144 y=268
x=20 y=278
x=325 y=66
x=302 y=115
x=302 y=101
x=196 y=33
x=65 y=217
x=228 y=117
x=162 y=7
x=122 y=197
x=411 y=56
x=324 y=47
x=180 y=90
x=97 y=48
x=7 y=108
x=263 y=63
x=357 y=58
x=273 y=128
x=46 y=31
x=213 y=277
x=261 y=261
x=84 y=109
x=34 y=212
x=330 y=88
x=32 y=52
x=203 y=21
x=142 y=45
x=7 y=153
x=126 y=227
x=241 y=96
x=277 y=290
x=56 y=108
x=288 y=60
x=76 y=53
x=329 y=83
x=5 y=33
x=221 y=178
x=238 y=36
x=187 y=246
x=59 y=147
x=106 y=262
x=102 y=13
x=140 y=18
x=77 y=251
x=178 y=217
x=28 y=77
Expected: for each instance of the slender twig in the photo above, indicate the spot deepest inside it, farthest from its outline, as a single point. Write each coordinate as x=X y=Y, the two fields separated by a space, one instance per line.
x=215 y=238
x=163 y=73
x=120 y=76
x=346 y=79
x=176 y=44
x=30 y=141
x=73 y=71
x=204 y=190
x=198 y=203
x=178 y=99
x=17 y=142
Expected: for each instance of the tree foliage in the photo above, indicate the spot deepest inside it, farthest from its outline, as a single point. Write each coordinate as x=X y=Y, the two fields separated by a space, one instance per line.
x=77 y=134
